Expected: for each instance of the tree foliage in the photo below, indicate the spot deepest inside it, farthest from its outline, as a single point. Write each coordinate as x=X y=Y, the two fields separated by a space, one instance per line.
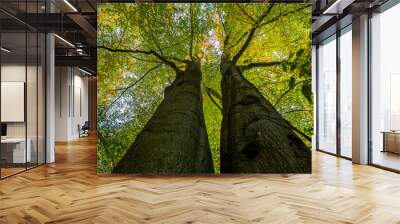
x=141 y=46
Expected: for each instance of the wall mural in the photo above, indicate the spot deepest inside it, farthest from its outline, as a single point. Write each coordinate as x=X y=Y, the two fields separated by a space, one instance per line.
x=204 y=88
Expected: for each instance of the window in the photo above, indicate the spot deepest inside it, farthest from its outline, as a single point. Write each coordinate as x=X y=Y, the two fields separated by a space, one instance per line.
x=22 y=77
x=327 y=95
x=385 y=89
x=346 y=92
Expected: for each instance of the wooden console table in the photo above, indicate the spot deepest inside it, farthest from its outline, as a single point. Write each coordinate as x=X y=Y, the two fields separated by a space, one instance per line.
x=391 y=141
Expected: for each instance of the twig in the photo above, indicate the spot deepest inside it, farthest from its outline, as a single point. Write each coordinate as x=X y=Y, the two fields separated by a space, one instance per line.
x=259 y=64
x=191 y=32
x=296 y=110
x=130 y=86
x=150 y=52
x=245 y=13
x=287 y=91
x=251 y=34
x=212 y=99
x=283 y=14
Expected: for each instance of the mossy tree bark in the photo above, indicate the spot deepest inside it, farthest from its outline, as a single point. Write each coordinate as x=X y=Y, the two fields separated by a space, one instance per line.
x=174 y=141
x=255 y=138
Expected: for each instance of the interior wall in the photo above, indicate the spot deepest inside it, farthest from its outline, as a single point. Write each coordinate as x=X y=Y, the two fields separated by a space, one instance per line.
x=62 y=81
x=33 y=126
x=71 y=102
x=360 y=89
x=80 y=109
x=50 y=95
x=24 y=60
x=92 y=99
x=16 y=73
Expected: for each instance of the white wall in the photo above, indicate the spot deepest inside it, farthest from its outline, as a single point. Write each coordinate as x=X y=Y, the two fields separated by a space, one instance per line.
x=71 y=94
x=13 y=101
x=12 y=73
x=33 y=126
x=50 y=93
x=62 y=82
x=16 y=73
x=80 y=109
x=360 y=90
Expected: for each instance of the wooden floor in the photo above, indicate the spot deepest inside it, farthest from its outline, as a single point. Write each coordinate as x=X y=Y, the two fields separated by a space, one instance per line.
x=10 y=171
x=69 y=191
x=387 y=159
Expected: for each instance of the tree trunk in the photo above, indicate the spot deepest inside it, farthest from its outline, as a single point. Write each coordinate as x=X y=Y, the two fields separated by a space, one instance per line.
x=174 y=140
x=255 y=138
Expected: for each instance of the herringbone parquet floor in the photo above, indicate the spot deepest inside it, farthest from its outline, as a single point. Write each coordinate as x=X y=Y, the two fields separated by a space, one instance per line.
x=69 y=191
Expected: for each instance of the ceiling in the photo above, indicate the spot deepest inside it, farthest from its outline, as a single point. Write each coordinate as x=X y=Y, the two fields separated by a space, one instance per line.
x=74 y=22
x=332 y=15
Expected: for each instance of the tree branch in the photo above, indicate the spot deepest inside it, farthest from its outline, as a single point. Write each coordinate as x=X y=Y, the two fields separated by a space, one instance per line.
x=251 y=33
x=238 y=40
x=283 y=14
x=210 y=92
x=130 y=86
x=146 y=60
x=166 y=61
x=221 y=20
x=296 y=110
x=150 y=52
x=298 y=131
x=191 y=32
x=123 y=50
x=184 y=61
x=245 y=13
x=259 y=64
x=287 y=91
x=215 y=93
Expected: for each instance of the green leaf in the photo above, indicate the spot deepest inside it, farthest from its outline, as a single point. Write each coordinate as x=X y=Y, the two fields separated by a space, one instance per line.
x=284 y=66
x=169 y=27
x=299 y=53
x=293 y=66
x=307 y=92
x=305 y=70
x=292 y=82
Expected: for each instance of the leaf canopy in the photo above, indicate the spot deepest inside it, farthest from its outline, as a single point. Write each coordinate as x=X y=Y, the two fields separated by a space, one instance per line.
x=141 y=43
